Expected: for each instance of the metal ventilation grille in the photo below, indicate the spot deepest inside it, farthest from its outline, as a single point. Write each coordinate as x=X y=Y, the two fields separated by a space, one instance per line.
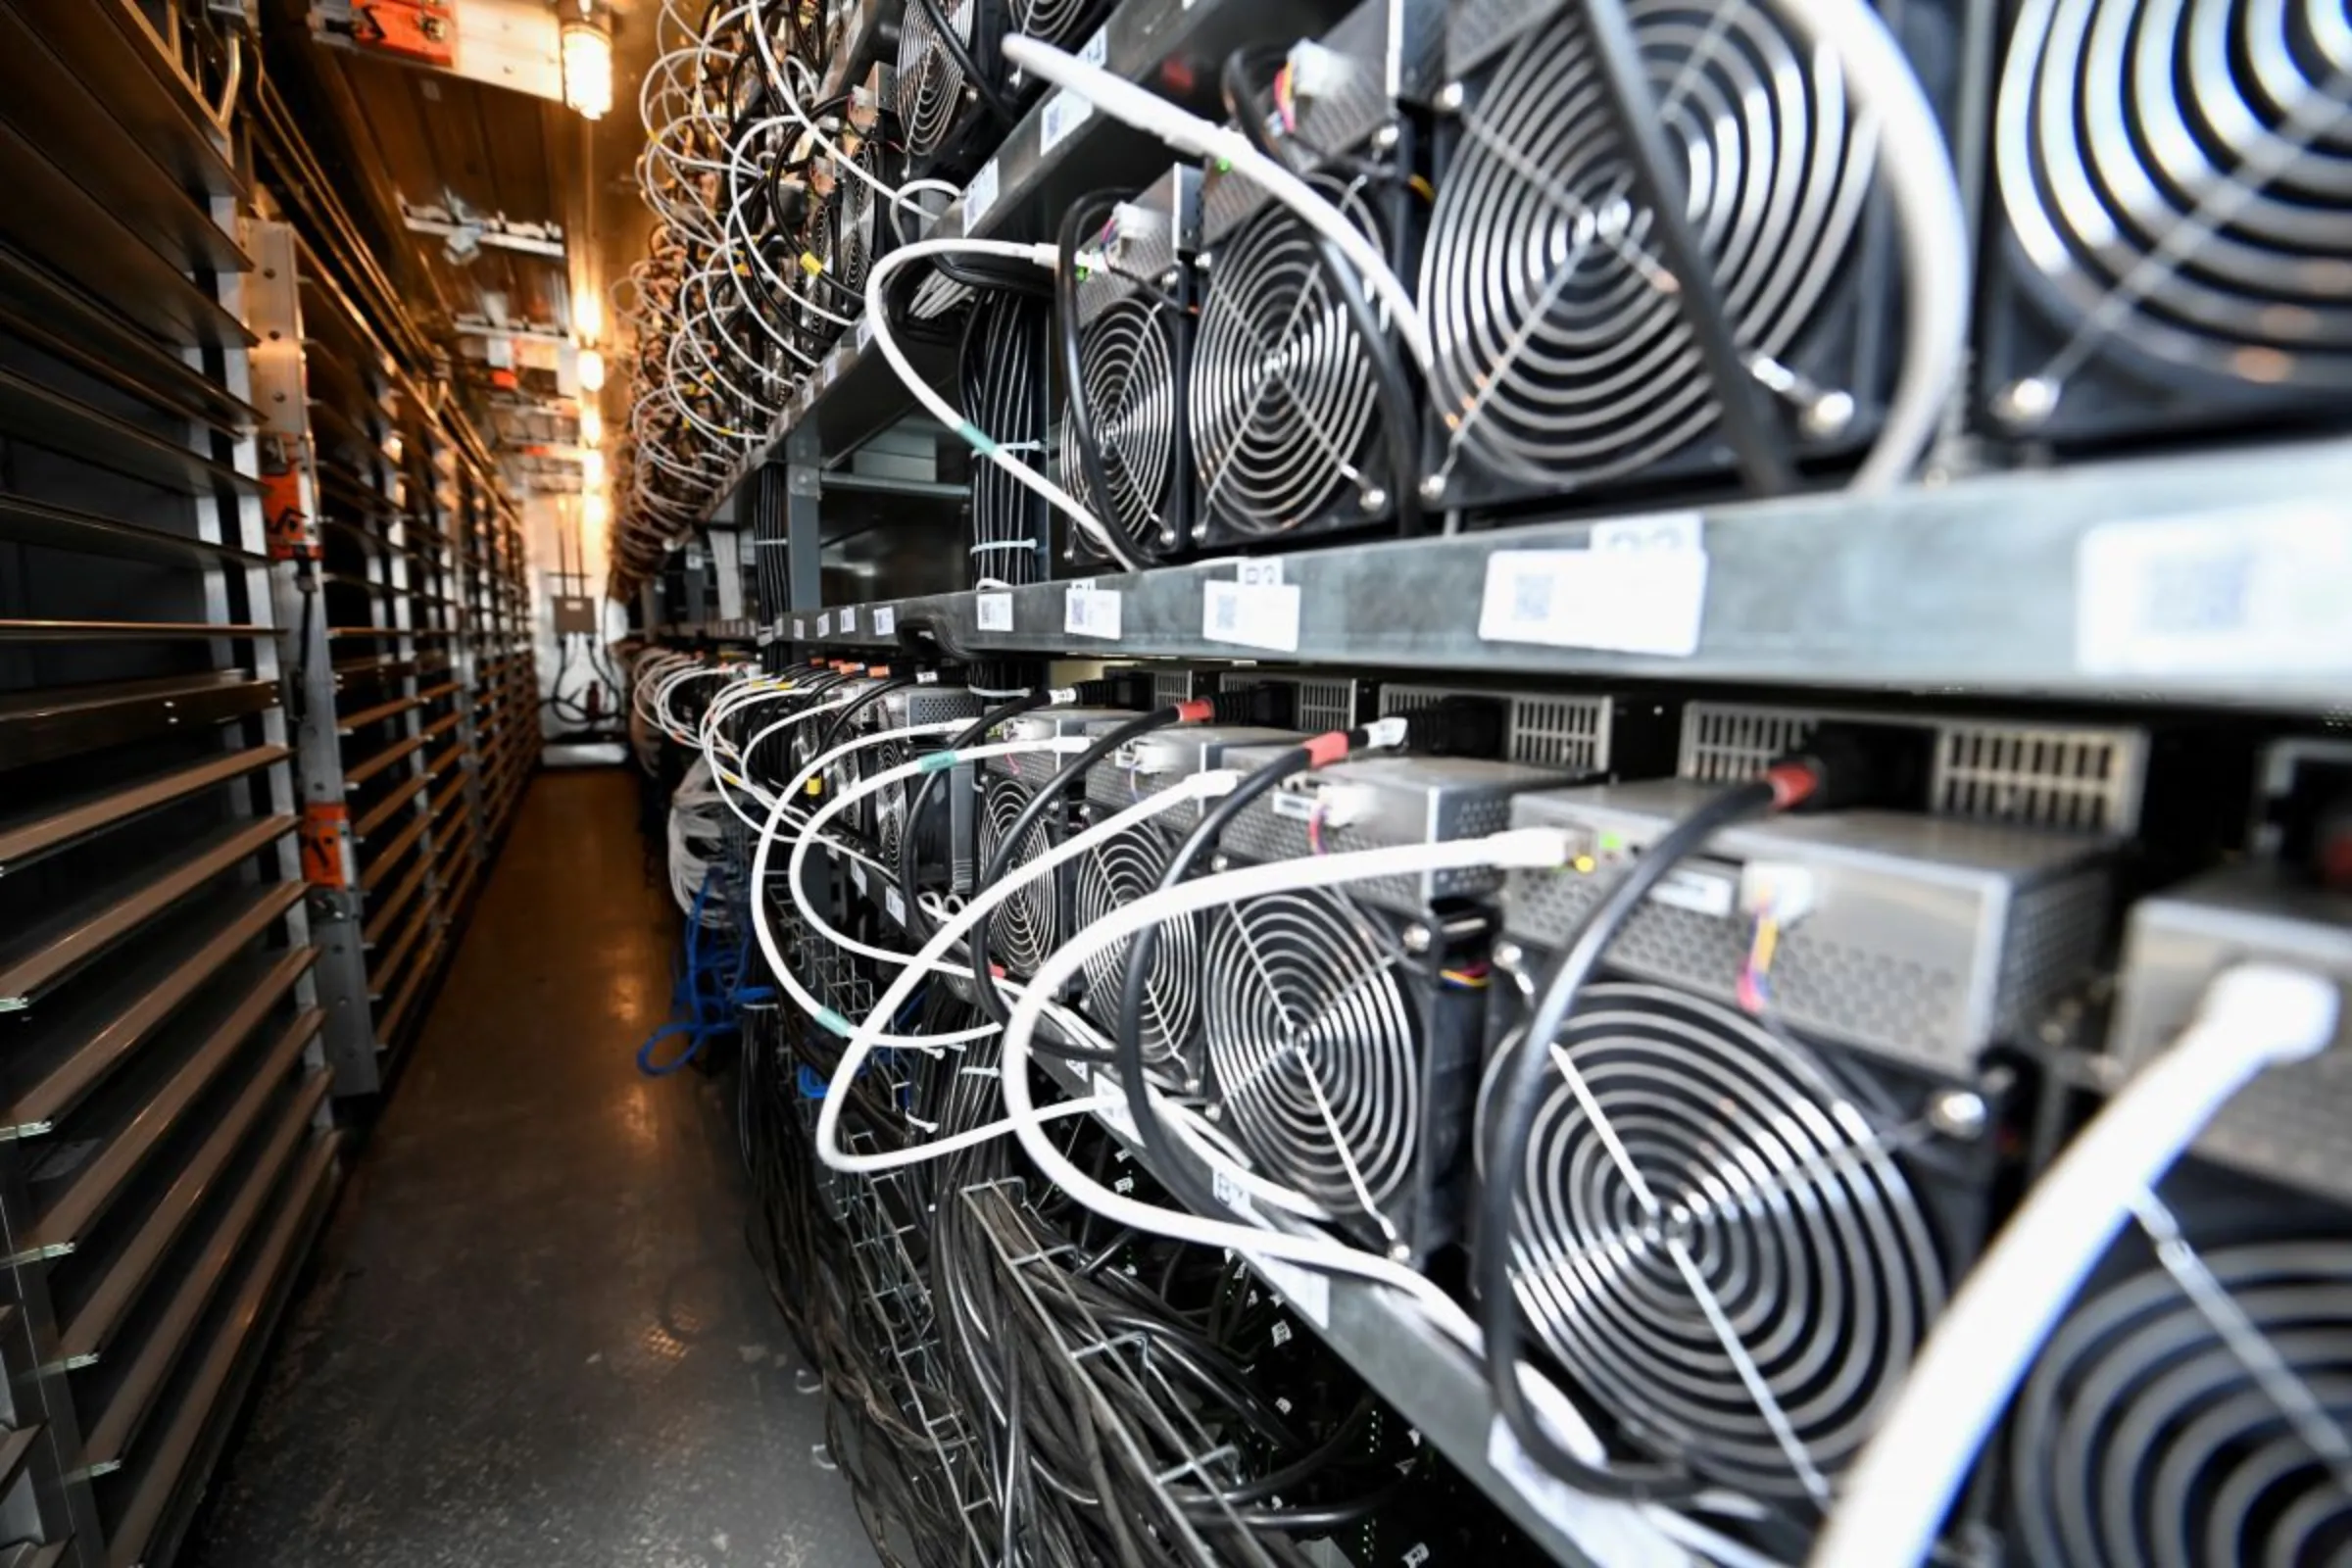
x=887 y=807
x=1003 y=386
x=1282 y=395
x=1116 y=873
x=1176 y=686
x=2161 y=1425
x=1715 y=1241
x=1314 y=1046
x=1025 y=928
x=1129 y=356
x=1325 y=704
x=2087 y=779
x=1726 y=743
x=855 y=238
x=930 y=82
x=1559 y=356
x=2179 y=177
x=1569 y=733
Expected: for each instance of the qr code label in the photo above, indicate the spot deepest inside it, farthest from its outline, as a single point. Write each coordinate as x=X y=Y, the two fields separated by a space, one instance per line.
x=993 y=612
x=2254 y=592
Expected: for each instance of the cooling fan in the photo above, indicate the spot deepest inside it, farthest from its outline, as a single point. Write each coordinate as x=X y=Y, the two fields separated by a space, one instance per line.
x=939 y=106
x=1718 y=1243
x=1285 y=395
x=1003 y=380
x=1026 y=926
x=1116 y=873
x=1344 y=1029
x=2177 y=184
x=2164 y=1425
x=1563 y=359
x=1133 y=327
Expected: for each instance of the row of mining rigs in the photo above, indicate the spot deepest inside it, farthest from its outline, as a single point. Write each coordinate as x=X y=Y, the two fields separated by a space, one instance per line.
x=2160 y=234
x=1011 y=1378
x=1828 y=1055
x=1818 y=1067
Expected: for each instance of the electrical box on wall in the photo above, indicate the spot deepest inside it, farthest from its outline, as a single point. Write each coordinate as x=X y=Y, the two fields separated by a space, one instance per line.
x=574 y=613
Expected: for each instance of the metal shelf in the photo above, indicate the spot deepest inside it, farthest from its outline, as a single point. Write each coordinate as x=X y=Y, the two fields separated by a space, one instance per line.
x=2046 y=583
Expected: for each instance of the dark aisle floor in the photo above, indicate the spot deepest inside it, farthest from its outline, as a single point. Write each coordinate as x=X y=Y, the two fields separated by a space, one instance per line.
x=535 y=1337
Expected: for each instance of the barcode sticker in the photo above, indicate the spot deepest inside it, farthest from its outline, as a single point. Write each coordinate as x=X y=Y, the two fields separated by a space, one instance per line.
x=1607 y=1531
x=1624 y=600
x=2259 y=591
x=825 y=625
x=858 y=875
x=1308 y=1292
x=849 y=618
x=799 y=631
x=895 y=902
x=1230 y=1194
x=1098 y=48
x=865 y=334
x=1063 y=113
x=1255 y=615
x=993 y=612
x=885 y=622
x=1091 y=613
x=979 y=196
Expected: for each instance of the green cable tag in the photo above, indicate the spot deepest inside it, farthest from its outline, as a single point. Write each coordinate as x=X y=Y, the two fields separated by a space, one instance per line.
x=835 y=1021
x=937 y=761
x=976 y=437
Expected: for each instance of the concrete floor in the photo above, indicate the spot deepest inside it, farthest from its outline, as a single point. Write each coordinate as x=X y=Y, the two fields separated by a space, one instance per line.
x=535 y=1337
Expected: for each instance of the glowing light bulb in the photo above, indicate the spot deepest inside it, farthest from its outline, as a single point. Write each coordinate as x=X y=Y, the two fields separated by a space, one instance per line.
x=592 y=426
x=592 y=370
x=592 y=467
x=587 y=67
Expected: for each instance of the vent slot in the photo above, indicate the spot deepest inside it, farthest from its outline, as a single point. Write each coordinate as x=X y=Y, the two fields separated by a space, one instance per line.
x=1569 y=733
x=1724 y=743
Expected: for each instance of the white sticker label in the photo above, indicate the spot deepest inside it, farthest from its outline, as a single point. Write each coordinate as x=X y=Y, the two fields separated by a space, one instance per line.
x=1628 y=600
x=849 y=618
x=1308 y=1292
x=1255 y=614
x=1607 y=1531
x=825 y=625
x=832 y=370
x=1268 y=569
x=1700 y=892
x=1230 y=1194
x=1091 y=613
x=799 y=631
x=1063 y=113
x=1098 y=48
x=993 y=612
x=1294 y=804
x=885 y=622
x=979 y=196
x=865 y=334
x=767 y=638
x=1113 y=1112
x=895 y=902
x=2254 y=592
x=858 y=875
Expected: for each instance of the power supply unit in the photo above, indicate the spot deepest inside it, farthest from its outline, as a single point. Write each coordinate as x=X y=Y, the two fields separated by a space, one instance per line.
x=1301 y=408
x=942 y=844
x=1587 y=735
x=1562 y=365
x=1343 y=1028
x=1029 y=924
x=1777 y=1129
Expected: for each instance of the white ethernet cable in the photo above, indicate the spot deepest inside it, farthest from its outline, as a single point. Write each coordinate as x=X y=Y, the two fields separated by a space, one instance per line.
x=1917 y=165
x=808 y=1002
x=864 y=1037
x=940 y=409
x=1894 y=1499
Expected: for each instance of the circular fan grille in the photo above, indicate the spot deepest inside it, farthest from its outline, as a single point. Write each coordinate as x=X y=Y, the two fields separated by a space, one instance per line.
x=853 y=244
x=1559 y=355
x=1023 y=929
x=1313 y=1044
x=2181 y=176
x=1003 y=380
x=2142 y=1439
x=1130 y=365
x=1053 y=20
x=1727 y=1183
x=1119 y=872
x=930 y=82
x=1283 y=396
x=888 y=805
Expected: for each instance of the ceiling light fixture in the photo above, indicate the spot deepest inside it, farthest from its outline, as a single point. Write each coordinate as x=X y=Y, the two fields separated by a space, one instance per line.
x=592 y=426
x=591 y=370
x=587 y=59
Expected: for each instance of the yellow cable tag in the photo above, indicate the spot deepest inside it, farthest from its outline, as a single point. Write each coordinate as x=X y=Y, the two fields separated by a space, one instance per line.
x=812 y=266
x=816 y=786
